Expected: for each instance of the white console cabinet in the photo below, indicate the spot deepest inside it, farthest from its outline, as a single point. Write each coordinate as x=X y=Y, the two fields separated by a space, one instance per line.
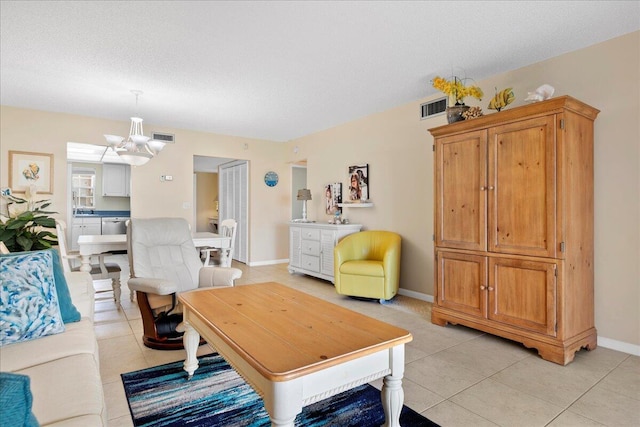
x=311 y=247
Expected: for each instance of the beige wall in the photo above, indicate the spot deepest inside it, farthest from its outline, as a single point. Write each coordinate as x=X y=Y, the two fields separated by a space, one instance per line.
x=397 y=146
x=46 y=132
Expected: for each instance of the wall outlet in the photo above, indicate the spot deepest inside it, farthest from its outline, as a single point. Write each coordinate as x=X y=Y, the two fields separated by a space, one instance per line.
x=166 y=178
x=186 y=205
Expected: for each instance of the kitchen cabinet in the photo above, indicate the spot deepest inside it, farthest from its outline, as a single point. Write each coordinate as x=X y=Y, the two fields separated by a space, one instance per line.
x=514 y=226
x=116 y=179
x=311 y=247
x=83 y=188
x=84 y=226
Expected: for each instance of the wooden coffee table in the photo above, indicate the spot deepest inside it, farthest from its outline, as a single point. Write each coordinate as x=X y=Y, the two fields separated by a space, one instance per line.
x=295 y=349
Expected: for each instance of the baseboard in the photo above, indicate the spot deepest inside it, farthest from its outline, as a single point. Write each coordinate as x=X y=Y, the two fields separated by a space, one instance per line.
x=270 y=262
x=416 y=295
x=622 y=346
x=609 y=343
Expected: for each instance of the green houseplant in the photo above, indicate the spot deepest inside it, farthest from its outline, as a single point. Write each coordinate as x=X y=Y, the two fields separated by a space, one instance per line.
x=27 y=223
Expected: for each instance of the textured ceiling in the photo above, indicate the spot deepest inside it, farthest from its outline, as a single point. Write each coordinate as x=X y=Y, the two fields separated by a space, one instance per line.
x=275 y=70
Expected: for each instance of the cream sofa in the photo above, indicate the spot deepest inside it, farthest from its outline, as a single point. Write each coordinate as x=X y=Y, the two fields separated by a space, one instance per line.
x=64 y=368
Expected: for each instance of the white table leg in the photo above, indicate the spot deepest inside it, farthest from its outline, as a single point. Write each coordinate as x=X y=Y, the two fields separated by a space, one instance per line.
x=86 y=263
x=117 y=291
x=392 y=392
x=224 y=255
x=283 y=402
x=190 y=340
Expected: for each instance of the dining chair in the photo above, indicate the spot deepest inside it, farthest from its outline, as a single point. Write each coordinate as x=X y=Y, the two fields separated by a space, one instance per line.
x=222 y=256
x=99 y=271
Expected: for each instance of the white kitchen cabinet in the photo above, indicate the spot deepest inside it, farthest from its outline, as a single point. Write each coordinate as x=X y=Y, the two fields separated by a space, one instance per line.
x=90 y=226
x=116 y=180
x=311 y=247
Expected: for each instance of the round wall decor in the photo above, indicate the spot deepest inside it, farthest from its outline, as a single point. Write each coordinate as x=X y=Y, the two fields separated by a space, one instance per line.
x=271 y=179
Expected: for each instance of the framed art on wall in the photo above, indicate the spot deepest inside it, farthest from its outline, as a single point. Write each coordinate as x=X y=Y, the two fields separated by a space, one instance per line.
x=359 y=182
x=27 y=169
x=333 y=196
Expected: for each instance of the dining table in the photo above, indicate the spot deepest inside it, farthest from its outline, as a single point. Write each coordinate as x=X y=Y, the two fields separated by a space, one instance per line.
x=97 y=244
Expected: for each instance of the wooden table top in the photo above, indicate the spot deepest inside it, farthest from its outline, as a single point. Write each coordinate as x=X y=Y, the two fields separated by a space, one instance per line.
x=284 y=333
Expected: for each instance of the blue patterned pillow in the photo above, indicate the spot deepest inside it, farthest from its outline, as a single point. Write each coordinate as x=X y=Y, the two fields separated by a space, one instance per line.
x=68 y=311
x=28 y=299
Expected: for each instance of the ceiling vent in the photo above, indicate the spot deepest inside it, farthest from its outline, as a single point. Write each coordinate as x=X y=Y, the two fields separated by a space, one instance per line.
x=164 y=137
x=433 y=108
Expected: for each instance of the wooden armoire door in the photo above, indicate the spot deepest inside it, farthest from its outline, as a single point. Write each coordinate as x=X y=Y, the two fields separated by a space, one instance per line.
x=521 y=187
x=461 y=165
x=461 y=282
x=523 y=294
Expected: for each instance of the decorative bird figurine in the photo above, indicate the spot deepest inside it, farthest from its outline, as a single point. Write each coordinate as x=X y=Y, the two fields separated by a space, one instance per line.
x=543 y=92
x=502 y=99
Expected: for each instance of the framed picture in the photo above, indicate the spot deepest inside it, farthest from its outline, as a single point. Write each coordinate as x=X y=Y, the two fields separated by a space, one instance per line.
x=359 y=182
x=27 y=169
x=333 y=196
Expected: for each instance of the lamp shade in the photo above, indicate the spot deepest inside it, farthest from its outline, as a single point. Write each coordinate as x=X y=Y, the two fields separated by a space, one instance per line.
x=304 y=194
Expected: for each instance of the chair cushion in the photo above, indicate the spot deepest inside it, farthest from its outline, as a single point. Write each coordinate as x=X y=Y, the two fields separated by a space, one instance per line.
x=163 y=248
x=95 y=268
x=28 y=299
x=363 y=268
x=16 y=400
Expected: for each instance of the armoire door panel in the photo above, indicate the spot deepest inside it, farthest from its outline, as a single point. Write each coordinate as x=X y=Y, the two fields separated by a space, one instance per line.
x=521 y=197
x=460 y=195
x=523 y=294
x=461 y=280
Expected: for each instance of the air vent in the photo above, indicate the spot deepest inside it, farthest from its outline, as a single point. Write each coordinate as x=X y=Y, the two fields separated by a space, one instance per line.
x=164 y=137
x=433 y=108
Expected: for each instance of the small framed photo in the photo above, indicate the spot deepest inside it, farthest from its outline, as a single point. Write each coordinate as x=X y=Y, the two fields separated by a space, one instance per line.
x=27 y=169
x=359 y=182
x=332 y=197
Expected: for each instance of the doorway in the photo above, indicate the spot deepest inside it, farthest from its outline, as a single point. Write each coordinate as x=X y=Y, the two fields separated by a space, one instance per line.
x=298 y=181
x=229 y=200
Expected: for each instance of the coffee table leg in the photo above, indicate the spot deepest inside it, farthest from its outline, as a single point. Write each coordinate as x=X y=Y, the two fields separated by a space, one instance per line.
x=283 y=402
x=190 y=340
x=392 y=392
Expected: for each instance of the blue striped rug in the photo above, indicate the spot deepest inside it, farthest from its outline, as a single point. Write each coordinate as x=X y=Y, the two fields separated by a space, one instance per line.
x=218 y=396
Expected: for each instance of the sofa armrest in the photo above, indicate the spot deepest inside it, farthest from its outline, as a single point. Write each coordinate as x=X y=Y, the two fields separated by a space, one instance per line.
x=153 y=286
x=218 y=276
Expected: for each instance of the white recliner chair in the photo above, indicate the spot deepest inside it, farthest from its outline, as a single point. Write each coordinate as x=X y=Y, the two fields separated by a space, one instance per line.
x=163 y=262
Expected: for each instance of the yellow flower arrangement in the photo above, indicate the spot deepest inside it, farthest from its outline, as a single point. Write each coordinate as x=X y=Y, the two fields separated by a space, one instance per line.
x=456 y=89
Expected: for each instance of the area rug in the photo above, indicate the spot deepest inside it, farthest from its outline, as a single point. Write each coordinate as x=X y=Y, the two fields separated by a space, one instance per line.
x=218 y=396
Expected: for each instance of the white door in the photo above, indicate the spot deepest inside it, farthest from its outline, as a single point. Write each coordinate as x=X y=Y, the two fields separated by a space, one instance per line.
x=234 y=203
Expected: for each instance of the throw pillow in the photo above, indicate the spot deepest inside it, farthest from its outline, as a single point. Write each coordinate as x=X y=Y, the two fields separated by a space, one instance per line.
x=28 y=299
x=68 y=311
x=16 y=400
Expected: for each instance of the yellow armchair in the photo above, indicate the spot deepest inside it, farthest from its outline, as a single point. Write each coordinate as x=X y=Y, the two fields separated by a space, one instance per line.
x=367 y=264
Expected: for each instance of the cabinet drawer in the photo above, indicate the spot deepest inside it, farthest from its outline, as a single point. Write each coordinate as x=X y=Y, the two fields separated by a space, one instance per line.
x=310 y=262
x=311 y=234
x=310 y=247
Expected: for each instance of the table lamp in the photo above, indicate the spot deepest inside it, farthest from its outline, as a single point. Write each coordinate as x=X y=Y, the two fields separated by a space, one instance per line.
x=304 y=194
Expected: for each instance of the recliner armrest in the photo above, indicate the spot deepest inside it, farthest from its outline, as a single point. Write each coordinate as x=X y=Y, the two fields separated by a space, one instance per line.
x=153 y=286
x=218 y=276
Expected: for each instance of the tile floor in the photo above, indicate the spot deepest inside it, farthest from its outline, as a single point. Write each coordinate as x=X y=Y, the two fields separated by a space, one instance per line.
x=455 y=376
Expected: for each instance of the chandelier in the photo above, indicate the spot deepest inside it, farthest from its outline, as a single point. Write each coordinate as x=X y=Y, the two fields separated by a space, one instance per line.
x=137 y=149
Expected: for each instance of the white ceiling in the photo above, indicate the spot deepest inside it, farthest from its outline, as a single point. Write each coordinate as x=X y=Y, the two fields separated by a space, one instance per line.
x=275 y=70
